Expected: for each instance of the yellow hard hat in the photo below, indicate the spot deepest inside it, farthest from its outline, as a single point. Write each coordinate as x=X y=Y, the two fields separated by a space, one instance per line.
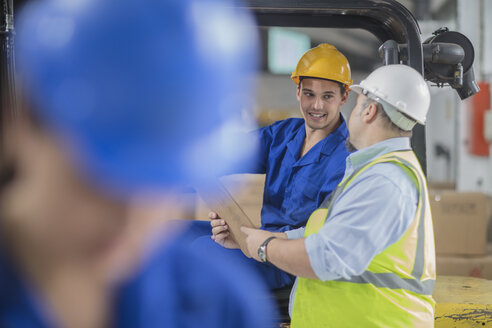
x=324 y=62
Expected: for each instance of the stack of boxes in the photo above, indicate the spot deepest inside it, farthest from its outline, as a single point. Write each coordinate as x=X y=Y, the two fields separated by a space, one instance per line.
x=460 y=227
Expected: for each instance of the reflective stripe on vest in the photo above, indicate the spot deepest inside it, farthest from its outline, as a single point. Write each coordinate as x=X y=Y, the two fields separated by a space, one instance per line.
x=390 y=280
x=411 y=281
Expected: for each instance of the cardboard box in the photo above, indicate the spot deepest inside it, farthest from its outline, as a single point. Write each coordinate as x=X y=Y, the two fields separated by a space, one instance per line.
x=460 y=222
x=247 y=190
x=475 y=266
x=441 y=185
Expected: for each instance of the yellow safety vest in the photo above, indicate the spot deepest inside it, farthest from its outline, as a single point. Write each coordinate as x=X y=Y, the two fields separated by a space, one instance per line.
x=396 y=288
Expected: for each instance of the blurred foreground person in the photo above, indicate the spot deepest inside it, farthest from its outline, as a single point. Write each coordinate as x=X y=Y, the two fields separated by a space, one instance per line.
x=121 y=100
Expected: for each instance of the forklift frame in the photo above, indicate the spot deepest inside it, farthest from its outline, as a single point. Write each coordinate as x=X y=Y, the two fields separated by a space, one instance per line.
x=385 y=19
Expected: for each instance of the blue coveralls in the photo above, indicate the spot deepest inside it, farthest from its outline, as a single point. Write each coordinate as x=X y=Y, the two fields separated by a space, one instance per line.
x=175 y=288
x=294 y=187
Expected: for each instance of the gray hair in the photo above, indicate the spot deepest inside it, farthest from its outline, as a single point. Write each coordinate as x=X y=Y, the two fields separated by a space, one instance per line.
x=387 y=123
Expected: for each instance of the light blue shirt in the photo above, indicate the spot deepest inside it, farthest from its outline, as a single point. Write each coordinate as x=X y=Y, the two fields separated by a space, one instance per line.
x=372 y=213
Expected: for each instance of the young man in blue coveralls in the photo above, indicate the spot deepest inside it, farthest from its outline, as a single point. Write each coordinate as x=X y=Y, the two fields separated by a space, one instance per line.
x=120 y=99
x=303 y=158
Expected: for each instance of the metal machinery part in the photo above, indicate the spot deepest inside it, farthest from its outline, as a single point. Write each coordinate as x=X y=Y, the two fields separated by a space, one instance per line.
x=7 y=81
x=448 y=58
x=458 y=74
x=385 y=19
x=388 y=20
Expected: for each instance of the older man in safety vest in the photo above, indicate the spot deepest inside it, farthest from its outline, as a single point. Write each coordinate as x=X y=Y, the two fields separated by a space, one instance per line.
x=366 y=257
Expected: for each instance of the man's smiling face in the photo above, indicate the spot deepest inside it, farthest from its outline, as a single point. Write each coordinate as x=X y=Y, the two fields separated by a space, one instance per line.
x=320 y=102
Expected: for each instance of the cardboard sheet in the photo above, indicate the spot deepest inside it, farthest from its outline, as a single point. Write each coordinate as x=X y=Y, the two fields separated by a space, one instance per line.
x=218 y=198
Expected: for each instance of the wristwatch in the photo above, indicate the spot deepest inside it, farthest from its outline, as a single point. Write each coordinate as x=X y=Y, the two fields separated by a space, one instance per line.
x=262 y=249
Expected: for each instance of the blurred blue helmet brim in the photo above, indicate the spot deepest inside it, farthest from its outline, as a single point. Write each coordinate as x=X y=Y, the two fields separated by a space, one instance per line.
x=145 y=94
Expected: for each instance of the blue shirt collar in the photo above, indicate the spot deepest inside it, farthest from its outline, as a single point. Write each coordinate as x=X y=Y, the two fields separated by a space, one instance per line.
x=361 y=157
x=334 y=138
x=324 y=147
x=294 y=146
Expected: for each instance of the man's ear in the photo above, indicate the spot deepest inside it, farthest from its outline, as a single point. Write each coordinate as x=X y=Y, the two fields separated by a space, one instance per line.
x=370 y=113
x=344 y=98
x=298 y=91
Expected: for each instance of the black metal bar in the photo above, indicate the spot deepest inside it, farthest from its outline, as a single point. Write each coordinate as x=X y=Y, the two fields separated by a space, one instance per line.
x=439 y=52
x=389 y=52
x=386 y=19
x=7 y=64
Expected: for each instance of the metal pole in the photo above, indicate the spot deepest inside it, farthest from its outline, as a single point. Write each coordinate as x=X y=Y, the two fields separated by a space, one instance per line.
x=389 y=52
x=7 y=63
x=422 y=9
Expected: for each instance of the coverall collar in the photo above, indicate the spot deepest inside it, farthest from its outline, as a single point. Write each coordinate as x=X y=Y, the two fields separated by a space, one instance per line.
x=324 y=147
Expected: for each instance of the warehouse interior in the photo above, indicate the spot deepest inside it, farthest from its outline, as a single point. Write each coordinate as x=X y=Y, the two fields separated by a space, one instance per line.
x=458 y=133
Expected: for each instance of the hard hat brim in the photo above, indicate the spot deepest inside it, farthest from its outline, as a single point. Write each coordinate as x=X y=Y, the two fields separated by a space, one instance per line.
x=357 y=88
x=300 y=78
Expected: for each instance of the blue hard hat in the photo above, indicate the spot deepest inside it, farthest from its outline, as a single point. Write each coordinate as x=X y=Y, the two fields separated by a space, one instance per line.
x=146 y=94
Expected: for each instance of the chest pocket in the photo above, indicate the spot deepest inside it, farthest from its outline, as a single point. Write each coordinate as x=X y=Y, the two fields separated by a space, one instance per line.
x=310 y=189
x=305 y=189
x=303 y=200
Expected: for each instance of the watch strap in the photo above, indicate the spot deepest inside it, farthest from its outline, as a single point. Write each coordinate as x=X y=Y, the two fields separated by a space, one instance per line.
x=264 y=245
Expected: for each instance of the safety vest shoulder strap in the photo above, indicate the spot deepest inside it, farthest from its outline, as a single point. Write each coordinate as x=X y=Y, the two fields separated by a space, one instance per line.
x=405 y=159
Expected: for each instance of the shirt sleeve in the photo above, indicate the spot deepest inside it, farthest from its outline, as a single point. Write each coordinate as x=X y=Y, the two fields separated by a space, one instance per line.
x=337 y=167
x=295 y=233
x=370 y=215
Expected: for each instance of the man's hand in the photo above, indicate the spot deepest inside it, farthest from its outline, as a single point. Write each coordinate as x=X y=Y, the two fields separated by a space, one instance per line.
x=255 y=238
x=220 y=232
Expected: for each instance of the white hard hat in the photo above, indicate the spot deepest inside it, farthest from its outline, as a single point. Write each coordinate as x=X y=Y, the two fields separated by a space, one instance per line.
x=400 y=89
